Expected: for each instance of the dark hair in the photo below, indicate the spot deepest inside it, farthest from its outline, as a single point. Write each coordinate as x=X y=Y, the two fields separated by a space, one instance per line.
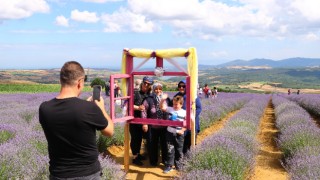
x=178 y=99
x=70 y=72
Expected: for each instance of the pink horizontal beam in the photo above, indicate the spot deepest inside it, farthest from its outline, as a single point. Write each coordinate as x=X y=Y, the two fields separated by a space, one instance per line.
x=158 y=122
x=122 y=97
x=117 y=76
x=123 y=119
x=151 y=73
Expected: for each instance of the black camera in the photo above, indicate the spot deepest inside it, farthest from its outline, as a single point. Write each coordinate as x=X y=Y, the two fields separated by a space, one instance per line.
x=96 y=92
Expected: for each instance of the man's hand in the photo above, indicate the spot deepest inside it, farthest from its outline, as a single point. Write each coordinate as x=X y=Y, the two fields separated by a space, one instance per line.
x=180 y=132
x=142 y=108
x=99 y=103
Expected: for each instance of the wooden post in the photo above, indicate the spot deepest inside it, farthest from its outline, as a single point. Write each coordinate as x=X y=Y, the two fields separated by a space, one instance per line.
x=129 y=67
x=189 y=112
x=126 y=147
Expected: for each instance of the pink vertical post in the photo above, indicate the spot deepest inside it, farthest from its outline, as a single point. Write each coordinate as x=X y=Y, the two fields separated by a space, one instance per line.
x=129 y=69
x=159 y=62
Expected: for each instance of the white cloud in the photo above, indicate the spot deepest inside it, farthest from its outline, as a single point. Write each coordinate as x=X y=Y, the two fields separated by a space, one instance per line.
x=84 y=16
x=308 y=8
x=212 y=19
x=17 y=9
x=100 y=1
x=124 y=20
x=311 y=37
x=167 y=9
x=62 y=21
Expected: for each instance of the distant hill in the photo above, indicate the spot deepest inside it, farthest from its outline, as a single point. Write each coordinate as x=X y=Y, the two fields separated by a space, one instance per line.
x=285 y=63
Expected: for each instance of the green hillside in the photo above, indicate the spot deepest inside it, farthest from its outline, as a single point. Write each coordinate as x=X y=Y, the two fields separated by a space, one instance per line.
x=226 y=79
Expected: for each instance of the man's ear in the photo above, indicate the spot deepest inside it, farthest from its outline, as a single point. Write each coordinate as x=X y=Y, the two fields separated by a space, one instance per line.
x=79 y=84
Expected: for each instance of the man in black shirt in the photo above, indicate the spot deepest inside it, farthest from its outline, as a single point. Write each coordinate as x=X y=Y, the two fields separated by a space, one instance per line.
x=70 y=125
x=137 y=130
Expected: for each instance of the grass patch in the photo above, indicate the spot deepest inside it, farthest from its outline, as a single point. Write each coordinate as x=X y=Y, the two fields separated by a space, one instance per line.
x=32 y=88
x=117 y=139
x=5 y=136
x=229 y=162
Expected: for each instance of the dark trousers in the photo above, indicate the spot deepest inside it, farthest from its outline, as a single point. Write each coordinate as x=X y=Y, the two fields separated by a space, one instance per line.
x=95 y=176
x=175 y=149
x=157 y=137
x=187 y=141
x=136 y=138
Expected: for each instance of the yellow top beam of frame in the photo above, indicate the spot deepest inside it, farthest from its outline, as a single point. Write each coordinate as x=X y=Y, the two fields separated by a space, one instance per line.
x=190 y=54
x=163 y=53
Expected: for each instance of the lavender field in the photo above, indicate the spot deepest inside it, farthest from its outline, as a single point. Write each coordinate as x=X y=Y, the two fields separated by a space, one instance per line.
x=23 y=148
x=229 y=154
x=299 y=137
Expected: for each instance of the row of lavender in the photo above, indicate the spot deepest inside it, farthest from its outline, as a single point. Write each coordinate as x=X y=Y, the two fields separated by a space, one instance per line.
x=218 y=108
x=229 y=154
x=23 y=148
x=299 y=139
x=310 y=102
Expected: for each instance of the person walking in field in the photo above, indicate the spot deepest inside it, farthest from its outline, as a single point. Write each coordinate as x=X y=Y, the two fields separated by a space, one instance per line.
x=206 y=91
x=70 y=124
x=116 y=89
x=215 y=92
x=107 y=88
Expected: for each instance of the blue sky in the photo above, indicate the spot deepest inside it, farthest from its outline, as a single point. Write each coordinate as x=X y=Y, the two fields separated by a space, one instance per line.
x=46 y=33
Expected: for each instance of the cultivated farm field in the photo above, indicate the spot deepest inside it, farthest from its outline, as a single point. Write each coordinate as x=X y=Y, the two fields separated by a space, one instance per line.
x=232 y=151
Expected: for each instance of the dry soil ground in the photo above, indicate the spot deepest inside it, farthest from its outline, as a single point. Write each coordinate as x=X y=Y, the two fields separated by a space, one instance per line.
x=267 y=167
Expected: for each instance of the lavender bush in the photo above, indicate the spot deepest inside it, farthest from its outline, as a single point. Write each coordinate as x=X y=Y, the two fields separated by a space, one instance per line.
x=23 y=147
x=311 y=102
x=231 y=151
x=215 y=109
x=299 y=139
x=110 y=169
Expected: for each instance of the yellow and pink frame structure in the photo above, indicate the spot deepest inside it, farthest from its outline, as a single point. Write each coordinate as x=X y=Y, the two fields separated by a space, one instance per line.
x=128 y=72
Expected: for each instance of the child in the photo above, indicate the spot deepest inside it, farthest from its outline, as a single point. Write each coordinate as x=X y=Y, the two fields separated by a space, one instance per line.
x=174 y=135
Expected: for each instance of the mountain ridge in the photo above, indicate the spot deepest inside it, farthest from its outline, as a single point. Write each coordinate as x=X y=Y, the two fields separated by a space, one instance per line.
x=296 y=62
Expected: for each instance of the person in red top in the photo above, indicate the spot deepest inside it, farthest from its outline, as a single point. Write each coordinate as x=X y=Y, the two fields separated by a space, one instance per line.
x=206 y=91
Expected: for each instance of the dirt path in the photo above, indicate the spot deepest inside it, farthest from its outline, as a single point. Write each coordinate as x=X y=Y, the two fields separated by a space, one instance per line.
x=316 y=119
x=268 y=165
x=155 y=173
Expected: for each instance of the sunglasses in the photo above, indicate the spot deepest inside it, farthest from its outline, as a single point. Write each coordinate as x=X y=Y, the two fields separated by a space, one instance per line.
x=146 y=84
x=181 y=86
